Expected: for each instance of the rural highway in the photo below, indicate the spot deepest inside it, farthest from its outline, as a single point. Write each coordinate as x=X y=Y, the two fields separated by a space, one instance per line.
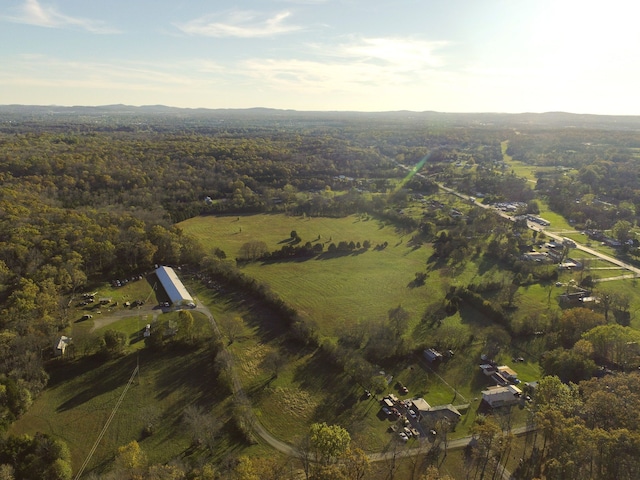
x=635 y=271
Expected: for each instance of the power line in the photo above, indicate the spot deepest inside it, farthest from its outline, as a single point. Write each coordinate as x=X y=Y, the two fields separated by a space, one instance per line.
x=106 y=425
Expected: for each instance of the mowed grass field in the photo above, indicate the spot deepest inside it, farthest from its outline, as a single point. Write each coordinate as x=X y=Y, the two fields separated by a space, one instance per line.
x=332 y=290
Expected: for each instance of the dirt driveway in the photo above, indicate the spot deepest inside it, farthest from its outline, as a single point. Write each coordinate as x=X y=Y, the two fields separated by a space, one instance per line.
x=109 y=316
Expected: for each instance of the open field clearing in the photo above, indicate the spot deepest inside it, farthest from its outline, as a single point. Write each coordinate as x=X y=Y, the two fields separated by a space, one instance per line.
x=82 y=394
x=333 y=290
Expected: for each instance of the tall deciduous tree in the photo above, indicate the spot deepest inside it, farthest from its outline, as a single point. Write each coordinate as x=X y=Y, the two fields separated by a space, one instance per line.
x=329 y=442
x=186 y=326
x=130 y=461
x=231 y=327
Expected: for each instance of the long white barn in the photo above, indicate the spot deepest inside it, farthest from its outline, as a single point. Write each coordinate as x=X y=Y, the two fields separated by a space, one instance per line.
x=176 y=291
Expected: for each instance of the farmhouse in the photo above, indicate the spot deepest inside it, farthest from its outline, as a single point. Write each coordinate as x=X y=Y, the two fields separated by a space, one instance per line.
x=172 y=285
x=535 y=257
x=501 y=396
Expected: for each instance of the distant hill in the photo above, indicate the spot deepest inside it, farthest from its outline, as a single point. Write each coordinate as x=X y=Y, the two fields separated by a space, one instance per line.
x=506 y=120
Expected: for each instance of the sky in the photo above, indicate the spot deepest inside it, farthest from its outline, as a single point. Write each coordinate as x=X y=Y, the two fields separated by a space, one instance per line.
x=359 y=55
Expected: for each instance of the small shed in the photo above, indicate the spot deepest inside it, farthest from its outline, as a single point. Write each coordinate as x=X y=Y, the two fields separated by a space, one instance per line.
x=432 y=355
x=60 y=345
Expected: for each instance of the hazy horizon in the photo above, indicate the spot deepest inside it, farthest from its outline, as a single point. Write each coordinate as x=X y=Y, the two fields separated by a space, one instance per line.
x=462 y=56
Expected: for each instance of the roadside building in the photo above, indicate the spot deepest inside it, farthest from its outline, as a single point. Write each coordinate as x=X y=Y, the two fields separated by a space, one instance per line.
x=420 y=406
x=440 y=413
x=501 y=396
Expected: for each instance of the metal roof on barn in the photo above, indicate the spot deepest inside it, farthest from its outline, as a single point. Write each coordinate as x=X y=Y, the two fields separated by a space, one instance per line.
x=176 y=291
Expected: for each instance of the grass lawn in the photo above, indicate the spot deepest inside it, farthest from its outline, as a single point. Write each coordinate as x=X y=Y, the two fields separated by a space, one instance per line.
x=522 y=169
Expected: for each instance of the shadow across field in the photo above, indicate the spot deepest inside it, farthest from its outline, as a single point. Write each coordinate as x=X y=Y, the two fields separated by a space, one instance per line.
x=174 y=371
x=98 y=378
x=192 y=372
x=259 y=317
x=339 y=392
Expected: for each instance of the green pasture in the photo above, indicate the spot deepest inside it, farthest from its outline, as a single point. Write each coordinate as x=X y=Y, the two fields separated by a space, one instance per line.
x=558 y=223
x=522 y=169
x=82 y=394
x=332 y=290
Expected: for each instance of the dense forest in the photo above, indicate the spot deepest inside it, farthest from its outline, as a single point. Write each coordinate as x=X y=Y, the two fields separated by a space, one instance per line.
x=92 y=194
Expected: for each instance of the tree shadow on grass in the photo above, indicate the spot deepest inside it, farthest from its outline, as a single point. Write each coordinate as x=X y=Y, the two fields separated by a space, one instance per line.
x=267 y=324
x=341 y=253
x=292 y=259
x=194 y=372
x=101 y=379
x=61 y=372
x=320 y=377
x=471 y=316
x=264 y=320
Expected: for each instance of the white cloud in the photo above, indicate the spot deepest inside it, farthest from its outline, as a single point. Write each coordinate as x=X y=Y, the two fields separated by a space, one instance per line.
x=365 y=63
x=396 y=51
x=34 y=13
x=242 y=24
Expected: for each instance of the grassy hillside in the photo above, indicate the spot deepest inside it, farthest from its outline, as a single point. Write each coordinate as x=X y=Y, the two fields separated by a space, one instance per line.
x=81 y=396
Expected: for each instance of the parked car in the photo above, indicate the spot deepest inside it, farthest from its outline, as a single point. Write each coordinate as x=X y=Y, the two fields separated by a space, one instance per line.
x=403 y=436
x=413 y=414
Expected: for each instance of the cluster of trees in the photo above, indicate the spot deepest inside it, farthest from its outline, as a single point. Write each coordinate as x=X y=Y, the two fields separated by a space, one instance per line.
x=47 y=255
x=33 y=458
x=589 y=430
x=593 y=183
